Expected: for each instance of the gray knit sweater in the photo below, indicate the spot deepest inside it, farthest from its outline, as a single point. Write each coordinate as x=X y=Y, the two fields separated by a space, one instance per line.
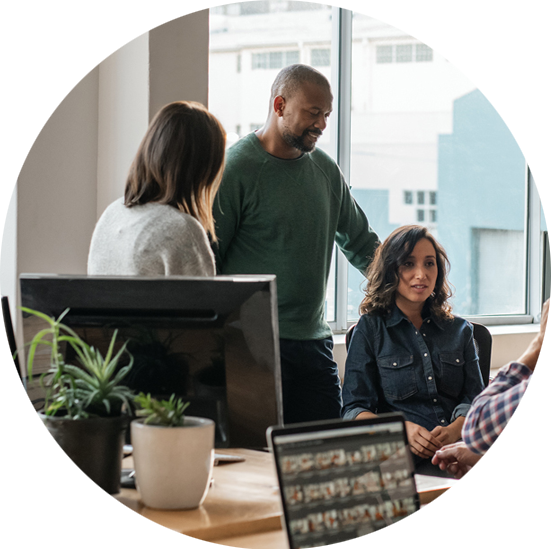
x=148 y=240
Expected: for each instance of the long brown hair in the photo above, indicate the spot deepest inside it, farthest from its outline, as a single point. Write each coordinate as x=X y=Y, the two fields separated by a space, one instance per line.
x=179 y=162
x=383 y=273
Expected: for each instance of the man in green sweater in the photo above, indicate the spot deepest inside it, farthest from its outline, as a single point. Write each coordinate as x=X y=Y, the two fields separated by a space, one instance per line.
x=281 y=206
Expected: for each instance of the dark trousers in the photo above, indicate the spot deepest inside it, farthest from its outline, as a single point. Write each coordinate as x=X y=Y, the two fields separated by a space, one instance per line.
x=310 y=381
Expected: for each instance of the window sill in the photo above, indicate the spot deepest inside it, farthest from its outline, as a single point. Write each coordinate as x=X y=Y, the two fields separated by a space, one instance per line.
x=502 y=330
x=509 y=342
x=514 y=329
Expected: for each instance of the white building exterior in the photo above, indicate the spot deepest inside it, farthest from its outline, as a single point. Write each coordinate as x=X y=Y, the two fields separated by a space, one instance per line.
x=402 y=93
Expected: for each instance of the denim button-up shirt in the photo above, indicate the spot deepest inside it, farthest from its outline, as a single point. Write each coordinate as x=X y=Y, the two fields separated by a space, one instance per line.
x=431 y=374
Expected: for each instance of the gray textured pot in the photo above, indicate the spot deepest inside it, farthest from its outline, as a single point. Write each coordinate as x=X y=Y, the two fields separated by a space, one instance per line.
x=95 y=445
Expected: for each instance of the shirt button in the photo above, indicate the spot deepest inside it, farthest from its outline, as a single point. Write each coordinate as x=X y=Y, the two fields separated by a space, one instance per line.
x=430 y=378
x=457 y=360
x=442 y=421
x=434 y=400
x=394 y=363
x=424 y=335
x=425 y=354
x=428 y=321
x=415 y=333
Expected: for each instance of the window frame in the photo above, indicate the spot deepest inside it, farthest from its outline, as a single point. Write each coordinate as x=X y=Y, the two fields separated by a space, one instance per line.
x=341 y=81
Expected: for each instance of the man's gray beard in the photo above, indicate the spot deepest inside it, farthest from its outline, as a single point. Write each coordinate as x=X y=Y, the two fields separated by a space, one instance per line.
x=297 y=142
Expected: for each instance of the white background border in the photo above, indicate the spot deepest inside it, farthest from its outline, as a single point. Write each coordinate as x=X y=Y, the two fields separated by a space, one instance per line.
x=503 y=47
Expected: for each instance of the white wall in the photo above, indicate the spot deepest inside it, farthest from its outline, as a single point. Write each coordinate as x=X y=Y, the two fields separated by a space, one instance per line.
x=56 y=189
x=79 y=161
x=167 y=64
x=179 y=61
x=122 y=116
x=8 y=257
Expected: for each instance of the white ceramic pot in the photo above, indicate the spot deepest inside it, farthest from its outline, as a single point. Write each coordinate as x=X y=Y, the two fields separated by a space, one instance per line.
x=173 y=464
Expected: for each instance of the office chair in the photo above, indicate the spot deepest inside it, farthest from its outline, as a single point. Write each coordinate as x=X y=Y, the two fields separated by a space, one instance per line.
x=348 y=336
x=9 y=332
x=483 y=344
x=38 y=403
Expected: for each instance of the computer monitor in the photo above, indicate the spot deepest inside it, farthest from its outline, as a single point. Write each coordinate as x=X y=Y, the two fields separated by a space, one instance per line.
x=212 y=340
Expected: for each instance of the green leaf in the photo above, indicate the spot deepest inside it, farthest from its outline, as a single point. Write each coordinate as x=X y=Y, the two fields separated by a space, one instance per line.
x=165 y=412
x=39 y=314
x=92 y=385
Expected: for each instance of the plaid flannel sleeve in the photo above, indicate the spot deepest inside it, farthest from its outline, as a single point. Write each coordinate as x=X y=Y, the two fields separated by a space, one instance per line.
x=494 y=406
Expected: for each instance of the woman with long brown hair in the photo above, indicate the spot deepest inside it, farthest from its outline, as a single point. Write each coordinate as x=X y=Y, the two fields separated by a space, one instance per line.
x=160 y=226
x=408 y=352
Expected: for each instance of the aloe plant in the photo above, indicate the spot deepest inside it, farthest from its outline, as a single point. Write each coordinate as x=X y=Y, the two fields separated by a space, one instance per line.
x=168 y=413
x=78 y=392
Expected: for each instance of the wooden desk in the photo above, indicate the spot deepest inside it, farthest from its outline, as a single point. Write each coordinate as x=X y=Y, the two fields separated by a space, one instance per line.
x=242 y=507
x=243 y=499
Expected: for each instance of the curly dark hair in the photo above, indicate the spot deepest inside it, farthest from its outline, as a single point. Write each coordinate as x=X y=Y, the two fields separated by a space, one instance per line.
x=383 y=273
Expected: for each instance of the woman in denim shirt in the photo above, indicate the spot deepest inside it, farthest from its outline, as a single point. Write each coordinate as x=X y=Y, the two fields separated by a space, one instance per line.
x=408 y=352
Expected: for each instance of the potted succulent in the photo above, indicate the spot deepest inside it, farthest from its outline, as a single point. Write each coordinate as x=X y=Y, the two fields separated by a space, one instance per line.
x=84 y=403
x=173 y=453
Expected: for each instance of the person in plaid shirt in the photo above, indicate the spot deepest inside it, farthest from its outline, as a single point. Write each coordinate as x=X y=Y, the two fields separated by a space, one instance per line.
x=492 y=409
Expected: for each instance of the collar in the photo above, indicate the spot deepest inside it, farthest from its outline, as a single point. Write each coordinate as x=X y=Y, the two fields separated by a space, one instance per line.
x=396 y=316
x=257 y=144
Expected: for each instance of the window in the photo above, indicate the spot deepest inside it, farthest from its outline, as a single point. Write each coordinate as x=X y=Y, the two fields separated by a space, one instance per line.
x=259 y=61
x=320 y=57
x=384 y=54
x=404 y=53
x=298 y=32
x=480 y=208
x=402 y=153
x=423 y=53
x=274 y=59
x=292 y=57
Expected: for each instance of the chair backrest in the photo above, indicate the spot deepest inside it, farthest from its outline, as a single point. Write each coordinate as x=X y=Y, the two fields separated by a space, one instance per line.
x=348 y=336
x=483 y=344
x=9 y=331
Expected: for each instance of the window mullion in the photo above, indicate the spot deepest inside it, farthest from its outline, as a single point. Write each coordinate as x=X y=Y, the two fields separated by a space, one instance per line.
x=342 y=22
x=534 y=248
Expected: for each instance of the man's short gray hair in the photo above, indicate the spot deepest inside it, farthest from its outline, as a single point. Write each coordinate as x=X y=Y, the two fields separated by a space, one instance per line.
x=290 y=79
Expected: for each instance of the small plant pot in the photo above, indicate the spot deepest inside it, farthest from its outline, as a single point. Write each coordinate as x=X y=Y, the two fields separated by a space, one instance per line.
x=173 y=464
x=94 y=444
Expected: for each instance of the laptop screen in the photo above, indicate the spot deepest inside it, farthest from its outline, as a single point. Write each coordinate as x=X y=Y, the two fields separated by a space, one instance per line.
x=344 y=479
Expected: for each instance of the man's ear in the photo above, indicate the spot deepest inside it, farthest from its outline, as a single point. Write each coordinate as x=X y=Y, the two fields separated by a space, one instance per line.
x=279 y=105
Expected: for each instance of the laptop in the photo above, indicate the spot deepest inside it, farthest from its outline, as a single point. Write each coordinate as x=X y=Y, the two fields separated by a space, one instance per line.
x=343 y=479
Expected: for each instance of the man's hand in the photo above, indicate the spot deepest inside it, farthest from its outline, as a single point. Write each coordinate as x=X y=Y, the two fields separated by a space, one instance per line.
x=422 y=442
x=456 y=458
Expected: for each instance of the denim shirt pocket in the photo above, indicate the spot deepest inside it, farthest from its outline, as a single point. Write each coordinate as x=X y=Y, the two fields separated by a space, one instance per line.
x=398 y=376
x=452 y=373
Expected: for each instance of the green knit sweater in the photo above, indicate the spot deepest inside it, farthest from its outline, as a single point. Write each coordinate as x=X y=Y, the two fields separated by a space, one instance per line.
x=276 y=216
